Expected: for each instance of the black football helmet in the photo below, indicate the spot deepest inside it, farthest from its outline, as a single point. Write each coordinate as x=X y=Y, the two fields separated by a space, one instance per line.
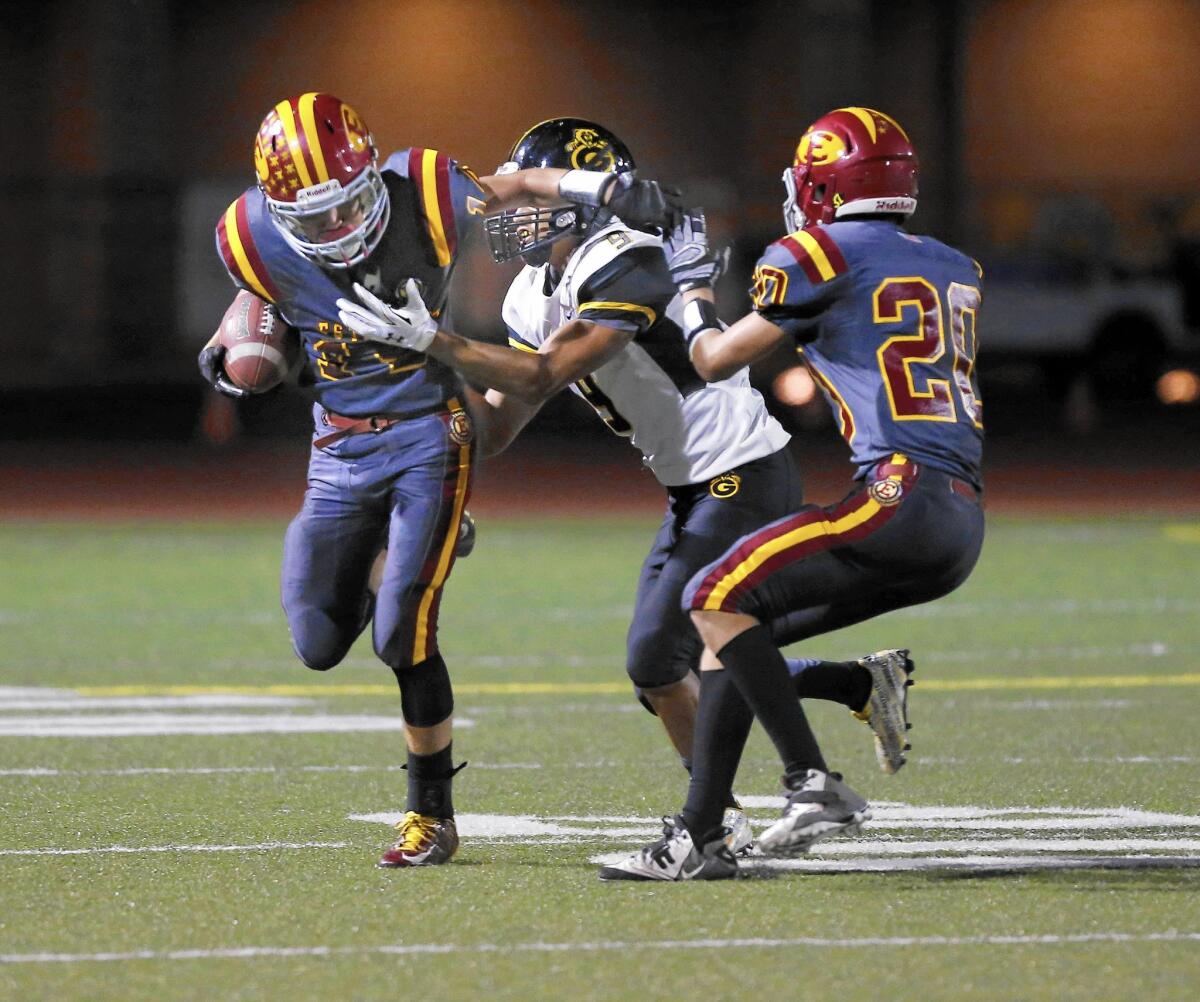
x=570 y=143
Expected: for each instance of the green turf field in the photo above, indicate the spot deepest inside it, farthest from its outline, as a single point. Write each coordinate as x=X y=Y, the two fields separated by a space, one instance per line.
x=179 y=796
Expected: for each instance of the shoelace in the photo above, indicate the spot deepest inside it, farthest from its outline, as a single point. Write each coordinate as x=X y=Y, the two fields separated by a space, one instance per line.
x=661 y=850
x=414 y=829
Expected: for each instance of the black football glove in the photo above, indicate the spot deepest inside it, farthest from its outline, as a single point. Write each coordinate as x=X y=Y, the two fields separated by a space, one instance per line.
x=466 y=535
x=212 y=368
x=693 y=264
x=646 y=205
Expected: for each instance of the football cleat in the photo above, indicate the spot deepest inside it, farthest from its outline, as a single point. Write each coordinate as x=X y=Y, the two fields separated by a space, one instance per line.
x=886 y=712
x=676 y=857
x=423 y=841
x=739 y=836
x=819 y=807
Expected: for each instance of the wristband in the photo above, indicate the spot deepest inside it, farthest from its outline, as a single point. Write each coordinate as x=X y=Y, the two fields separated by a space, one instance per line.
x=699 y=315
x=585 y=187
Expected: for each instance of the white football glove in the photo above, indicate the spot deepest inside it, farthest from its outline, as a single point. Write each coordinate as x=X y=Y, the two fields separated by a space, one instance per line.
x=409 y=326
x=692 y=263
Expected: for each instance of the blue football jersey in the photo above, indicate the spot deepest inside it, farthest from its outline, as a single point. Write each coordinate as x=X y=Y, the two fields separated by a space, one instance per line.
x=886 y=323
x=435 y=204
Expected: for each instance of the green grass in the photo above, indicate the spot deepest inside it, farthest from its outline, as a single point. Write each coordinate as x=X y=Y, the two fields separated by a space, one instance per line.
x=86 y=606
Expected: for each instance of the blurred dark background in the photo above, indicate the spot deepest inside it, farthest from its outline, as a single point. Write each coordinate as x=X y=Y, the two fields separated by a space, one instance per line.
x=1058 y=142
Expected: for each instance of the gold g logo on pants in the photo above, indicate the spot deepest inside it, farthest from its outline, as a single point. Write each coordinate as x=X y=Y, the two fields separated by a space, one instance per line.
x=725 y=486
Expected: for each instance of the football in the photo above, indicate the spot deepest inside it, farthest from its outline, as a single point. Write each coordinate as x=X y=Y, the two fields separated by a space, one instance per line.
x=260 y=348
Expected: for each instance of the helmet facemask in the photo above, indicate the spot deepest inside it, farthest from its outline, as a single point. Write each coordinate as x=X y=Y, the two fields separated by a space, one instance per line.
x=365 y=196
x=529 y=231
x=793 y=215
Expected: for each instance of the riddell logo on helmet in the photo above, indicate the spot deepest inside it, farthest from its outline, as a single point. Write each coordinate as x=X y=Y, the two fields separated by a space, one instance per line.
x=318 y=191
x=893 y=205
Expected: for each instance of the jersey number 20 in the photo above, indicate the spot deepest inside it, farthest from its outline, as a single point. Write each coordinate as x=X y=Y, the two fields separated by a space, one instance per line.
x=910 y=362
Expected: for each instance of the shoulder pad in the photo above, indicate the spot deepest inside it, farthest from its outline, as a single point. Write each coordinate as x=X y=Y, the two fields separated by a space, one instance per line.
x=430 y=172
x=601 y=249
x=239 y=248
x=813 y=249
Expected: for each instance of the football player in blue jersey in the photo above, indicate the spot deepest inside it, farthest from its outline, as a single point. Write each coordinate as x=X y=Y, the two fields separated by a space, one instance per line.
x=885 y=320
x=596 y=309
x=393 y=445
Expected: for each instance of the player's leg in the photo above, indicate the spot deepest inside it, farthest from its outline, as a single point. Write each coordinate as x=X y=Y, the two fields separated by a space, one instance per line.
x=327 y=555
x=662 y=647
x=702 y=521
x=428 y=493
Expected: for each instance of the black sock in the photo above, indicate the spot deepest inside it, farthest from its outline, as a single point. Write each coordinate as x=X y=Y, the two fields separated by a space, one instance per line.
x=845 y=682
x=429 y=780
x=762 y=678
x=723 y=723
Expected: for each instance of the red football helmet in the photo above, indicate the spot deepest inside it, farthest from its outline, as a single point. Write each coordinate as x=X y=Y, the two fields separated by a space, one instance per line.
x=317 y=168
x=850 y=162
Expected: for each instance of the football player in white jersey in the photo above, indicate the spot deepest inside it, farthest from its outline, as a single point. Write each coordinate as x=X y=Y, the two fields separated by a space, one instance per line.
x=597 y=309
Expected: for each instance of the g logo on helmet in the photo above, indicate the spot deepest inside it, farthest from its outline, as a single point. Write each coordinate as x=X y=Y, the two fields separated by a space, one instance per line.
x=725 y=486
x=356 y=129
x=820 y=148
x=590 y=152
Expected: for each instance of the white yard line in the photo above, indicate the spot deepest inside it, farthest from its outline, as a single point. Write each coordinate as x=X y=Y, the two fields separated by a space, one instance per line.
x=408 y=949
x=200 y=701
x=135 y=849
x=981 y=864
x=127 y=724
x=242 y=769
x=1055 y=760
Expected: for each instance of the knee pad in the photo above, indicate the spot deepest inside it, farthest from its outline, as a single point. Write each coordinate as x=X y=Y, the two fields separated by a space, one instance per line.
x=318 y=642
x=657 y=659
x=426 y=697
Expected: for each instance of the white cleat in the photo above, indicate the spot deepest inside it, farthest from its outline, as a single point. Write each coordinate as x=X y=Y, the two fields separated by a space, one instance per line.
x=820 y=807
x=739 y=838
x=886 y=712
x=675 y=857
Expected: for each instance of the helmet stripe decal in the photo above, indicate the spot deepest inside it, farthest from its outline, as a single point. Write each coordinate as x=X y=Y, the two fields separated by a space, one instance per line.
x=864 y=116
x=241 y=256
x=284 y=108
x=867 y=117
x=309 y=120
x=896 y=125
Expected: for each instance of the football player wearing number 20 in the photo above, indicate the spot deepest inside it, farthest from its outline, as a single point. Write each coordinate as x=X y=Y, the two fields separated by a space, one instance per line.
x=392 y=458
x=886 y=322
x=597 y=309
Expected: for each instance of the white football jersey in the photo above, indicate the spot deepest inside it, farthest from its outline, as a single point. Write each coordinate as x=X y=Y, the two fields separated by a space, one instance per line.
x=688 y=431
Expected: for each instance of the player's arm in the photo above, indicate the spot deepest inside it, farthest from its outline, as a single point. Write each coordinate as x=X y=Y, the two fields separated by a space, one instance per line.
x=570 y=353
x=637 y=203
x=717 y=354
x=499 y=418
x=787 y=298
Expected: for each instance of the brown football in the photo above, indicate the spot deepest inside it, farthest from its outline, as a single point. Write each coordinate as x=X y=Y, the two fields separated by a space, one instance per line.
x=260 y=347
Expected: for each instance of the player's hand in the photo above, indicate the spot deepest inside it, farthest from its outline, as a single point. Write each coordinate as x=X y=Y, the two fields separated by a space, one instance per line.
x=212 y=368
x=466 y=535
x=693 y=264
x=409 y=326
x=645 y=205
